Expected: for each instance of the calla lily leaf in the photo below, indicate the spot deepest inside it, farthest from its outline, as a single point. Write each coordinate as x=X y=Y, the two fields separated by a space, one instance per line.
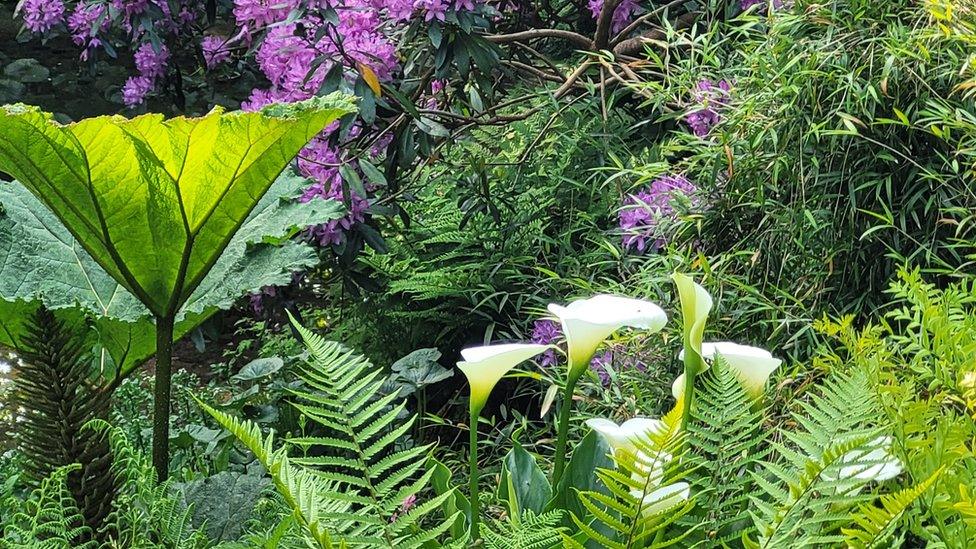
x=485 y=366
x=588 y=322
x=523 y=484
x=154 y=201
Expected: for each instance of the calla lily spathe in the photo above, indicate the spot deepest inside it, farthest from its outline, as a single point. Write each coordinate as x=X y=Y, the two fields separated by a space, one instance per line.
x=485 y=366
x=872 y=462
x=696 y=303
x=751 y=365
x=587 y=322
x=663 y=498
x=628 y=434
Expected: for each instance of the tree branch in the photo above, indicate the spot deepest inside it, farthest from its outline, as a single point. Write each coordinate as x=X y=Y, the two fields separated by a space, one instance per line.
x=571 y=36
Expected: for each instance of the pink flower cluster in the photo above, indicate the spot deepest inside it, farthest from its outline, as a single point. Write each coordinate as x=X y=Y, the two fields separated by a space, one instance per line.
x=151 y=64
x=297 y=53
x=623 y=14
x=642 y=212
x=710 y=97
x=215 y=50
x=41 y=16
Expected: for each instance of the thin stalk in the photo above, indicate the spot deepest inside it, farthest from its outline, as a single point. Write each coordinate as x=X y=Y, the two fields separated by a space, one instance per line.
x=161 y=396
x=473 y=472
x=562 y=431
x=693 y=365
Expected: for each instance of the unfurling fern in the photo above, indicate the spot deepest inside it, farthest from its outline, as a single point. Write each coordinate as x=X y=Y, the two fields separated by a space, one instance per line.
x=53 y=388
x=531 y=531
x=49 y=519
x=727 y=443
x=645 y=495
x=351 y=483
x=810 y=491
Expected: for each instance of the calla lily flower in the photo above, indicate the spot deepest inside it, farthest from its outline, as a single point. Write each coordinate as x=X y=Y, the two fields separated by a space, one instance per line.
x=662 y=499
x=626 y=435
x=587 y=322
x=751 y=365
x=485 y=366
x=696 y=303
x=873 y=462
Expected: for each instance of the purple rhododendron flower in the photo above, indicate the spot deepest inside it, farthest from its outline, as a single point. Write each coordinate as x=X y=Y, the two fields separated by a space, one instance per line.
x=546 y=332
x=42 y=15
x=643 y=211
x=623 y=14
x=135 y=90
x=81 y=23
x=710 y=97
x=215 y=50
x=599 y=365
x=150 y=62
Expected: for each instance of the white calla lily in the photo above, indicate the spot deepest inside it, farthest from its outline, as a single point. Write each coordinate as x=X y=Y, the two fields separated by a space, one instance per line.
x=752 y=365
x=627 y=435
x=871 y=462
x=485 y=366
x=696 y=303
x=663 y=498
x=587 y=322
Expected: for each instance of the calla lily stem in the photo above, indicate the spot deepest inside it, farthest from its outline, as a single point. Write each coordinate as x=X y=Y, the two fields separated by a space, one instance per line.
x=693 y=365
x=563 y=428
x=473 y=472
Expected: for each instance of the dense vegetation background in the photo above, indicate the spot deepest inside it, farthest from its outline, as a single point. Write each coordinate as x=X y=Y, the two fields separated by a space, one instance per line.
x=811 y=164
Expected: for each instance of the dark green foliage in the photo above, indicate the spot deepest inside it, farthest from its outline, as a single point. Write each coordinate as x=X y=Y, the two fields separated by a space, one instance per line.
x=54 y=388
x=728 y=441
x=845 y=141
x=223 y=503
x=49 y=519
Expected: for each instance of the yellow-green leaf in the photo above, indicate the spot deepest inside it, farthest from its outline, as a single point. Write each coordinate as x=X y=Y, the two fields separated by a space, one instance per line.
x=156 y=201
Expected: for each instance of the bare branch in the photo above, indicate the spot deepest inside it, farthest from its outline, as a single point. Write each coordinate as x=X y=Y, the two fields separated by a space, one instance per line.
x=571 y=36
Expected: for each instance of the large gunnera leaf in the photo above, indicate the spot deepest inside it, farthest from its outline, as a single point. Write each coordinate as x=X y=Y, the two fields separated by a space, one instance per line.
x=156 y=201
x=40 y=262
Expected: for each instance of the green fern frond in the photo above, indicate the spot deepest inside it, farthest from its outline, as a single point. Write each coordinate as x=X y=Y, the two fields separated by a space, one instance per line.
x=623 y=517
x=351 y=485
x=301 y=490
x=145 y=513
x=876 y=524
x=532 y=531
x=50 y=519
x=805 y=499
x=726 y=444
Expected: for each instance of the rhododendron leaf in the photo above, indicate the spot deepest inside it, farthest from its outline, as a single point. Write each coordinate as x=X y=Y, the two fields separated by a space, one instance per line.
x=154 y=201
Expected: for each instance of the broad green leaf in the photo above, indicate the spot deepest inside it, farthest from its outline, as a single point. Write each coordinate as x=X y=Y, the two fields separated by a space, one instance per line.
x=154 y=201
x=40 y=262
x=440 y=481
x=521 y=474
x=591 y=453
x=258 y=368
